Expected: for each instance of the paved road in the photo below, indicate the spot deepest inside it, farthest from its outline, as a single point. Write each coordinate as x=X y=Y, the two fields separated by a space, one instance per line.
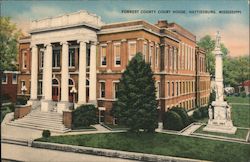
x=29 y=154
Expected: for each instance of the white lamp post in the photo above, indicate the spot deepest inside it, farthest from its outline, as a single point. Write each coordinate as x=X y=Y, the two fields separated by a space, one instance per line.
x=73 y=91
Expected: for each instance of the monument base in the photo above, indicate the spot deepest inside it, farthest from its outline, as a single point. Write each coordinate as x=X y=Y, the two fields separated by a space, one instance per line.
x=225 y=126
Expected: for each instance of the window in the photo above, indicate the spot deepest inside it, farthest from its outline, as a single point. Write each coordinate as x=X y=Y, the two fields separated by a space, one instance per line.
x=24 y=59
x=102 y=89
x=41 y=58
x=150 y=54
x=158 y=90
x=40 y=87
x=115 y=89
x=4 y=79
x=180 y=89
x=103 y=56
x=170 y=57
x=168 y=89
x=177 y=89
x=166 y=56
x=117 y=54
x=87 y=55
x=23 y=86
x=172 y=88
x=145 y=48
x=14 y=78
x=72 y=52
x=132 y=49
x=156 y=56
x=56 y=58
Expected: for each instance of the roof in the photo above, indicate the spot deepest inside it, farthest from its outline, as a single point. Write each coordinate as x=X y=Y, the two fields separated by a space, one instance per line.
x=245 y=83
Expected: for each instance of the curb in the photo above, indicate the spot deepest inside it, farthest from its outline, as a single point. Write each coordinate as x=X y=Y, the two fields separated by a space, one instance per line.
x=111 y=153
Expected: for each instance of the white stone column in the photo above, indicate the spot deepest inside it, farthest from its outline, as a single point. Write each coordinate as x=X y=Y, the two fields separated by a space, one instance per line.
x=64 y=104
x=82 y=73
x=34 y=72
x=46 y=104
x=92 y=74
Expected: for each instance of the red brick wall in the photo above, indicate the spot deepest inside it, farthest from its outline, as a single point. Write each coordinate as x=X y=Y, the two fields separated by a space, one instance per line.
x=9 y=88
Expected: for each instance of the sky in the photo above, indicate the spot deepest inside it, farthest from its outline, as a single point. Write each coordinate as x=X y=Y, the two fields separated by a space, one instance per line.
x=234 y=28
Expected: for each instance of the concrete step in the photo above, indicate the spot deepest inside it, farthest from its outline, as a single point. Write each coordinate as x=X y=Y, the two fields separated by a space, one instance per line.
x=44 y=118
x=40 y=127
x=36 y=119
x=39 y=123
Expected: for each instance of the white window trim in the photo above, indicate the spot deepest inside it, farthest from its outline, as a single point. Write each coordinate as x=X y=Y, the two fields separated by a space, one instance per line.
x=156 y=56
x=129 y=54
x=13 y=79
x=70 y=60
x=158 y=90
x=6 y=82
x=116 y=44
x=113 y=88
x=23 y=54
x=100 y=88
x=145 y=44
x=40 y=58
x=40 y=81
x=103 y=46
x=56 y=61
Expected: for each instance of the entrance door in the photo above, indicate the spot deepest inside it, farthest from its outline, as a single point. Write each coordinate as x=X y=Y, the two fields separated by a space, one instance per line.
x=55 y=93
x=55 y=90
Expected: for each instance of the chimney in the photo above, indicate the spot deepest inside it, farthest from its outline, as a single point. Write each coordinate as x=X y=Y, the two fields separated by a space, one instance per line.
x=162 y=24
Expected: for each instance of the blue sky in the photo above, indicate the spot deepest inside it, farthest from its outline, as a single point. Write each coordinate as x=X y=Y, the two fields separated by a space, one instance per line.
x=233 y=27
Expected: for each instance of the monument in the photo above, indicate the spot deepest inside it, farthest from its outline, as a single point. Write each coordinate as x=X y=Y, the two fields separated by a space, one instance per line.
x=220 y=115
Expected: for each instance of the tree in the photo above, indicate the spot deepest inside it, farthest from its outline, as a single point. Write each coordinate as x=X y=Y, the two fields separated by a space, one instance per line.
x=8 y=47
x=183 y=114
x=208 y=44
x=136 y=107
x=172 y=121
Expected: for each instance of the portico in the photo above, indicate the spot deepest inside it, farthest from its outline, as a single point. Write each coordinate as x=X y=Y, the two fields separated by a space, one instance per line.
x=64 y=51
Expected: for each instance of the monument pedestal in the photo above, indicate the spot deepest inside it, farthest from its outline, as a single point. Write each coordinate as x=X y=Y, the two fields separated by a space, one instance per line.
x=222 y=122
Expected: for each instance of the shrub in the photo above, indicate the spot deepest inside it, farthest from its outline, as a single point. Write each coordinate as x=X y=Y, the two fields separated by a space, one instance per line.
x=84 y=116
x=204 y=112
x=12 y=107
x=172 y=121
x=197 y=114
x=183 y=114
x=243 y=94
x=21 y=100
x=46 y=133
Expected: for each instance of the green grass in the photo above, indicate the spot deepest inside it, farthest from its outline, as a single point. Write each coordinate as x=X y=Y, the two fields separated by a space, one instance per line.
x=240 y=133
x=242 y=100
x=161 y=144
x=241 y=115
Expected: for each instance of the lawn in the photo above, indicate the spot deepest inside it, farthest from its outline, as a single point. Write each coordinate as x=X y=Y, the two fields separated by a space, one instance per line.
x=241 y=115
x=162 y=144
x=240 y=133
x=234 y=99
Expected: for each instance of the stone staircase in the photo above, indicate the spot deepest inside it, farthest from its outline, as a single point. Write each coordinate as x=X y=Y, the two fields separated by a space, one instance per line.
x=42 y=121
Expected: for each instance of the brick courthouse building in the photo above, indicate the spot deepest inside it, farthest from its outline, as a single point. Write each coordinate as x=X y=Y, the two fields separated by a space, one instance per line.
x=77 y=58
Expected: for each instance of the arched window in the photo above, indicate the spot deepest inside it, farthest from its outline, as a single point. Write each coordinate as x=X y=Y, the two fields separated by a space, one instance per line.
x=71 y=82
x=55 y=82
